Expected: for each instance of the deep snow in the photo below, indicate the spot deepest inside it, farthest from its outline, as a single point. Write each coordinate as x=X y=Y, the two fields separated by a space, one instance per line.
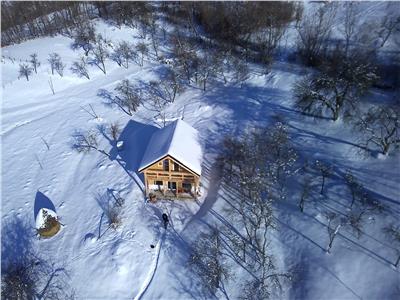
x=107 y=264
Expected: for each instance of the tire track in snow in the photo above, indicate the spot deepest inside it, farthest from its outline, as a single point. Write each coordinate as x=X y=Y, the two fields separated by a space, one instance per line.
x=153 y=269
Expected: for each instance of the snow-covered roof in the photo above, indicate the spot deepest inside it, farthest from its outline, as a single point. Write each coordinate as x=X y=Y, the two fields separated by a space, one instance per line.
x=178 y=140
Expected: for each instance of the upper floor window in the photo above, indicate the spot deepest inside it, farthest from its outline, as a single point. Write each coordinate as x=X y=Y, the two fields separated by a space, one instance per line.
x=166 y=165
x=176 y=166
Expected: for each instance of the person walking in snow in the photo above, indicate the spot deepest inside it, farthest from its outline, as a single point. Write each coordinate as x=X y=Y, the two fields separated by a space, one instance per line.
x=165 y=219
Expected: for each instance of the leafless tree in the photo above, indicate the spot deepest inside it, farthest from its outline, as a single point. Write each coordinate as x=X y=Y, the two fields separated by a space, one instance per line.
x=167 y=88
x=24 y=273
x=80 y=67
x=314 y=32
x=56 y=64
x=143 y=50
x=111 y=209
x=115 y=130
x=208 y=67
x=34 y=62
x=154 y=39
x=305 y=192
x=336 y=89
x=207 y=261
x=84 y=37
x=380 y=126
x=325 y=171
x=185 y=56
x=99 y=53
x=25 y=70
x=349 y=25
x=123 y=53
x=242 y=71
x=85 y=142
x=390 y=23
x=354 y=186
x=393 y=232
x=333 y=226
x=128 y=97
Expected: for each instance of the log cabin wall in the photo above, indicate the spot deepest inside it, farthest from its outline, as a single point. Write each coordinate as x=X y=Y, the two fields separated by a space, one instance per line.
x=168 y=170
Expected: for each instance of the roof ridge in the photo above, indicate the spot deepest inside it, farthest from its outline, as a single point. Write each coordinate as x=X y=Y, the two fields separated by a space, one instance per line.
x=174 y=123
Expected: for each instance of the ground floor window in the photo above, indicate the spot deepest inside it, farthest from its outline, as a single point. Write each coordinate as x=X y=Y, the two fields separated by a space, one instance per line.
x=187 y=187
x=158 y=182
x=172 y=185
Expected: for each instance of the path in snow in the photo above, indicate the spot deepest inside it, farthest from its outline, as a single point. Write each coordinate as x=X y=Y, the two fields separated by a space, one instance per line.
x=153 y=268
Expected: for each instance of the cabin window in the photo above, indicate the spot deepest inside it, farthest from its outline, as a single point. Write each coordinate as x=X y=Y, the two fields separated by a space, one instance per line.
x=166 y=165
x=176 y=166
x=172 y=185
x=158 y=182
x=187 y=187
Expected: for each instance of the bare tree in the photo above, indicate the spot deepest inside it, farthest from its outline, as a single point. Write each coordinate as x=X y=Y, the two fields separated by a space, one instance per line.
x=84 y=37
x=143 y=50
x=349 y=25
x=99 y=53
x=336 y=89
x=111 y=208
x=305 y=192
x=115 y=130
x=314 y=32
x=208 y=67
x=24 y=273
x=25 y=70
x=380 y=127
x=80 y=67
x=207 y=261
x=56 y=64
x=34 y=62
x=154 y=39
x=123 y=53
x=128 y=97
x=242 y=71
x=325 y=171
x=354 y=186
x=333 y=226
x=186 y=59
x=393 y=232
x=86 y=142
x=167 y=88
x=390 y=23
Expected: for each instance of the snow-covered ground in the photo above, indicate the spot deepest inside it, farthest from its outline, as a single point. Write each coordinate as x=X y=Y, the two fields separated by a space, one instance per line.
x=120 y=264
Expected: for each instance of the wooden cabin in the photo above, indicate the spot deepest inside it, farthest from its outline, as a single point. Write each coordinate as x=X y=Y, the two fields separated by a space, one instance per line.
x=171 y=164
